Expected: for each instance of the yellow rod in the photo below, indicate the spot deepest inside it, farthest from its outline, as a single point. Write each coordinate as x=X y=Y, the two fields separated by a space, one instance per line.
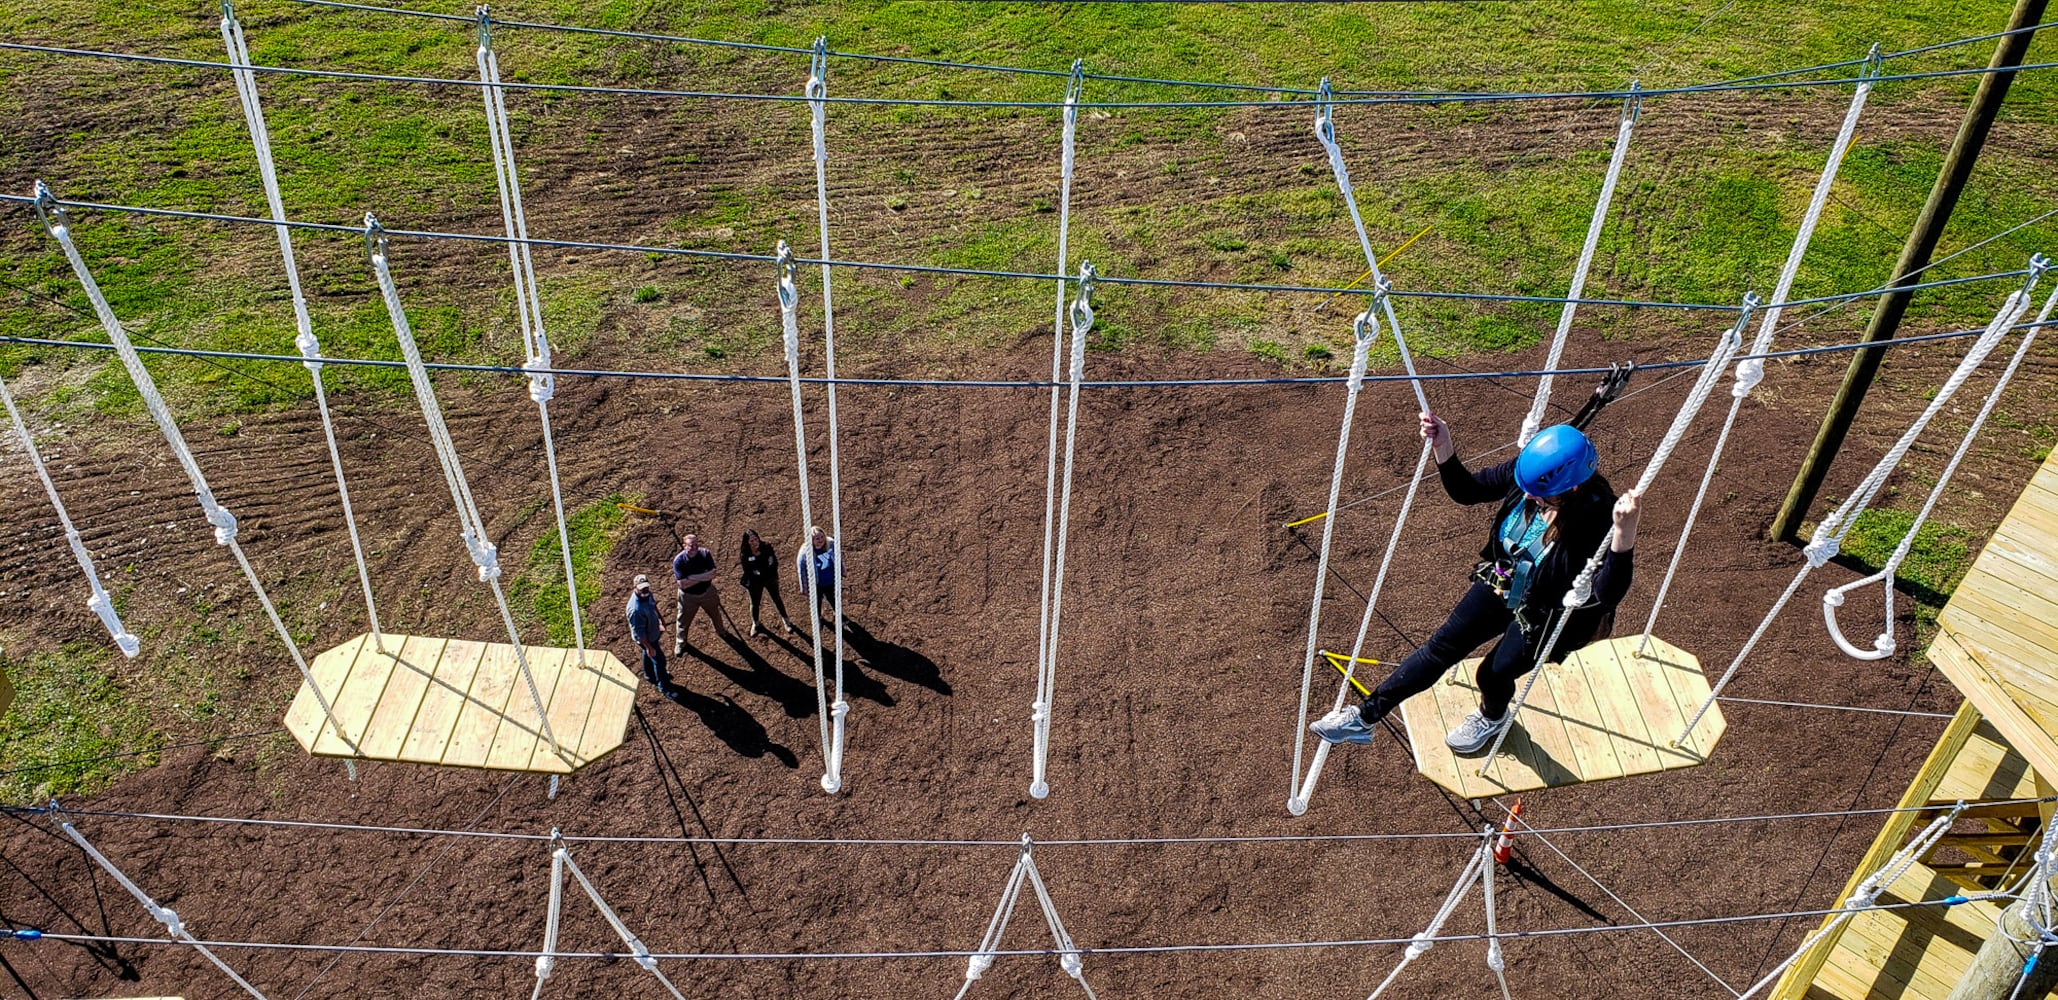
x=1337 y=662
x=639 y=510
x=1395 y=252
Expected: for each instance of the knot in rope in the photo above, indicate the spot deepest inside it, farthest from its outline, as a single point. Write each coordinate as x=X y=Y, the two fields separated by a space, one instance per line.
x=104 y=608
x=977 y=965
x=1493 y=957
x=840 y=709
x=545 y=965
x=1039 y=711
x=1749 y=372
x=223 y=521
x=1423 y=941
x=1071 y=963
x=484 y=554
x=1082 y=319
x=542 y=383
x=1823 y=546
x=170 y=919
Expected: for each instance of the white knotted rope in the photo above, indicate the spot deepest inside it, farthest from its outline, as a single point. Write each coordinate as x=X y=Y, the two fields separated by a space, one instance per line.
x=1046 y=665
x=99 y=602
x=981 y=959
x=528 y=298
x=1828 y=537
x=1866 y=896
x=59 y=223
x=1751 y=370
x=1833 y=598
x=546 y=963
x=1481 y=858
x=1494 y=959
x=1364 y=330
x=162 y=914
x=789 y=319
x=471 y=525
x=1325 y=131
x=1632 y=107
x=637 y=951
x=1583 y=585
x=1047 y=675
x=817 y=90
x=304 y=338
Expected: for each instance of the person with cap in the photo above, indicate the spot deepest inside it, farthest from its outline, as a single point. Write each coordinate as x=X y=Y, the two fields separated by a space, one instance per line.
x=694 y=569
x=647 y=627
x=1554 y=510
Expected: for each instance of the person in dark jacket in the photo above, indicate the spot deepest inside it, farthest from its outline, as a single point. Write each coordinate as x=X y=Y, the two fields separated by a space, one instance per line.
x=647 y=627
x=760 y=564
x=1554 y=511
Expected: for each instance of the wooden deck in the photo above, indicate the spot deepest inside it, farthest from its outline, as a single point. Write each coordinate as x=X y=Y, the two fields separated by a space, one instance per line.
x=1603 y=713
x=459 y=703
x=1918 y=953
x=1998 y=637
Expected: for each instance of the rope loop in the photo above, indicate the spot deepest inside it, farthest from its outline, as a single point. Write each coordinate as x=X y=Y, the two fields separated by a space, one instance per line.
x=1073 y=88
x=374 y=236
x=485 y=23
x=1632 y=106
x=1082 y=304
x=1325 y=114
x=789 y=294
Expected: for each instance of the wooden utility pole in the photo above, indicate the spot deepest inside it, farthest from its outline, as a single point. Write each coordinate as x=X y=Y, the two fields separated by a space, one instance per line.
x=1998 y=966
x=1915 y=255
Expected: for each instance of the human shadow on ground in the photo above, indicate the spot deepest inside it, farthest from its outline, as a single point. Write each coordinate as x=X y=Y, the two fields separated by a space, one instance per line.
x=668 y=776
x=731 y=723
x=894 y=659
x=104 y=954
x=856 y=683
x=794 y=695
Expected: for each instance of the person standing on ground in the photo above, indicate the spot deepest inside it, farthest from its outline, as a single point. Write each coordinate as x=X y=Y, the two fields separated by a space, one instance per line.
x=760 y=563
x=694 y=569
x=647 y=627
x=1554 y=511
x=817 y=567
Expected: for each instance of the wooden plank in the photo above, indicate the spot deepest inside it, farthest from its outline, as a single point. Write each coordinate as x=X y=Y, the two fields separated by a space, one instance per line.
x=2025 y=564
x=1541 y=720
x=1681 y=671
x=329 y=668
x=1892 y=835
x=477 y=722
x=445 y=698
x=359 y=694
x=393 y=716
x=1652 y=697
x=607 y=721
x=521 y=730
x=2018 y=621
x=1591 y=747
x=1634 y=743
x=1429 y=718
x=571 y=711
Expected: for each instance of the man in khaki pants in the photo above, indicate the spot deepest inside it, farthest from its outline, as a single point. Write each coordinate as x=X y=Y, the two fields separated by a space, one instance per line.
x=694 y=569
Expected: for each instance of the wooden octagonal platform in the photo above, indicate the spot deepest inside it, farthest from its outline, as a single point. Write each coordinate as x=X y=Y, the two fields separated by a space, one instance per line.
x=1603 y=713
x=461 y=703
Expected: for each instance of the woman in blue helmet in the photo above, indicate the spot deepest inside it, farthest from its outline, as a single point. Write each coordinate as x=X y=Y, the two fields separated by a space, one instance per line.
x=1555 y=509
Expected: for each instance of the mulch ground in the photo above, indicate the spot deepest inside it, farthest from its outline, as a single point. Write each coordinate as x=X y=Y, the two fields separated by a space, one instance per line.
x=1184 y=615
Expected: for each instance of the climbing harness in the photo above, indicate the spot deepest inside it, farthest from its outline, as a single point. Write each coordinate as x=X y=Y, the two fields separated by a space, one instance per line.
x=485 y=555
x=1068 y=953
x=1303 y=785
x=1829 y=535
x=1832 y=599
x=528 y=300
x=1632 y=108
x=1751 y=370
x=304 y=338
x=58 y=223
x=1581 y=591
x=165 y=915
x=560 y=862
x=1040 y=711
x=1608 y=391
x=99 y=602
x=1046 y=660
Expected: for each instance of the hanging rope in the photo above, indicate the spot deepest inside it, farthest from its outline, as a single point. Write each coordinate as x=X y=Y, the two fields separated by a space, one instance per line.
x=101 y=604
x=1751 y=370
x=1382 y=300
x=789 y=319
x=817 y=91
x=528 y=299
x=59 y=224
x=1364 y=330
x=546 y=963
x=1482 y=858
x=1832 y=599
x=1046 y=665
x=1582 y=585
x=1632 y=108
x=310 y=348
x=1866 y=896
x=162 y=914
x=1828 y=538
x=471 y=525
x=1068 y=952
x=1047 y=676
x=1494 y=959
x=560 y=862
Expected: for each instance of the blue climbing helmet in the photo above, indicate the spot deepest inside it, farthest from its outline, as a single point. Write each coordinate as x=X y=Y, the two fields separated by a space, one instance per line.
x=1556 y=460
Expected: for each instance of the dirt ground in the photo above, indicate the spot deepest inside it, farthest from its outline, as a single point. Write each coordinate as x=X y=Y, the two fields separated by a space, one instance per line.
x=1185 y=609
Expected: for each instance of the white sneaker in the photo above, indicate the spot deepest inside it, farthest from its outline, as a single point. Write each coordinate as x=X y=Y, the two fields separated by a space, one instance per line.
x=1344 y=725
x=1473 y=734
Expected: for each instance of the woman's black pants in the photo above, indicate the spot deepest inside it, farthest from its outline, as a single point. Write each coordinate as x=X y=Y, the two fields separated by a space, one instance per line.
x=1480 y=616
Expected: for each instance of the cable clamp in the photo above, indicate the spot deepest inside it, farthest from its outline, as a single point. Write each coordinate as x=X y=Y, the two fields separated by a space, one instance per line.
x=485 y=29
x=1325 y=114
x=1073 y=88
x=374 y=236
x=1633 y=103
x=1875 y=62
x=54 y=217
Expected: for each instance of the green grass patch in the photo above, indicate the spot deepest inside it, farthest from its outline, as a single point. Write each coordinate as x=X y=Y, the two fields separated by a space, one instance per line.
x=66 y=708
x=1936 y=561
x=541 y=586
